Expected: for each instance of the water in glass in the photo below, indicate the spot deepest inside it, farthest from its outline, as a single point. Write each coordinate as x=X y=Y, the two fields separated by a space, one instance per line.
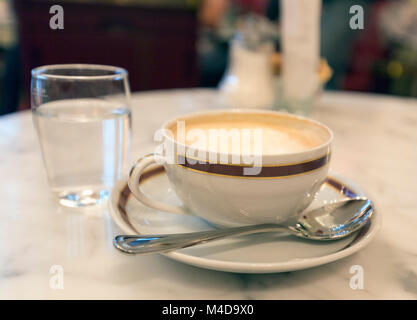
x=85 y=144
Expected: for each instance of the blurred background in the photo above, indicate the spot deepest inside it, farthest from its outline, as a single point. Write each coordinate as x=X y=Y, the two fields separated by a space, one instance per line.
x=185 y=43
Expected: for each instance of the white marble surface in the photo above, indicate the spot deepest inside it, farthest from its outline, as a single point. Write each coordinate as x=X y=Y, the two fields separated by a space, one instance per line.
x=375 y=145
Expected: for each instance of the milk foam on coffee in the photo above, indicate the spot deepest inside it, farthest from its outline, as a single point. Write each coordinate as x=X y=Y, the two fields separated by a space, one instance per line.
x=229 y=136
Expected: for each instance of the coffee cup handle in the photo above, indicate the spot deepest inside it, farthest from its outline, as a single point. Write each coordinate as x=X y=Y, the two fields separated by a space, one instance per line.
x=133 y=183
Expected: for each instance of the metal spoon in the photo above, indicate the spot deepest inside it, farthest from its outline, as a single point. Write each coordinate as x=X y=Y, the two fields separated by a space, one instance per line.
x=330 y=222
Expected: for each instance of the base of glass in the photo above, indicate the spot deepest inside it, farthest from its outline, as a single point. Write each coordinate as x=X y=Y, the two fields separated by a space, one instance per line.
x=83 y=198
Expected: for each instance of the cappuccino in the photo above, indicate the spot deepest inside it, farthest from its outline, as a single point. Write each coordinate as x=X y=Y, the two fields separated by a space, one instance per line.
x=247 y=134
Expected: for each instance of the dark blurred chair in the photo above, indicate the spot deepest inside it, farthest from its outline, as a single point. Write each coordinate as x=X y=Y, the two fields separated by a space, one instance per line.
x=11 y=83
x=155 y=43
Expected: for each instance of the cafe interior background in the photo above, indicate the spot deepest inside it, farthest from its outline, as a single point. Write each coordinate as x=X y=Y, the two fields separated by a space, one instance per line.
x=366 y=75
x=168 y=44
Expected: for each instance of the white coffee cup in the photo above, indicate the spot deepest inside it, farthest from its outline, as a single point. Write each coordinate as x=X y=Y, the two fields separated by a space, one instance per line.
x=222 y=188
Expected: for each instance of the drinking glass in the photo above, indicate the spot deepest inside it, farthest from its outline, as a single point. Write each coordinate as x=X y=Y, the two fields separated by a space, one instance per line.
x=82 y=116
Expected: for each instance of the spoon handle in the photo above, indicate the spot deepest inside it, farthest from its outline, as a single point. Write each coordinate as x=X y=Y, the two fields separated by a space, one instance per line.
x=140 y=244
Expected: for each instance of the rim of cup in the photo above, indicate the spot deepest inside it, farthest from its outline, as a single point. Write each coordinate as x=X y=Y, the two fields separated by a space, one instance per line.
x=114 y=72
x=195 y=114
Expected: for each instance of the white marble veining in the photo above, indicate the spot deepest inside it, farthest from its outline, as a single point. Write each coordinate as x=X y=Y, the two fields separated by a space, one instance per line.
x=375 y=145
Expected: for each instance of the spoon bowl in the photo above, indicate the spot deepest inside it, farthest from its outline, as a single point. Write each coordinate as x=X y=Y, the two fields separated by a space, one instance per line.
x=335 y=220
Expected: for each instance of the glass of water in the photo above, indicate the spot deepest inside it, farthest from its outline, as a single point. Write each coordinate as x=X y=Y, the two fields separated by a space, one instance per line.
x=82 y=115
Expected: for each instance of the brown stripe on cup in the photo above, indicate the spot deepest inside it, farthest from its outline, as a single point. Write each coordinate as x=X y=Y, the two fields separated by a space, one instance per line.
x=234 y=170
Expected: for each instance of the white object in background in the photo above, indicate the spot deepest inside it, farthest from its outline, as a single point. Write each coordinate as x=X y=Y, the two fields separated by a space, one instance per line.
x=7 y=25
x=300 y=42
x=248 y=81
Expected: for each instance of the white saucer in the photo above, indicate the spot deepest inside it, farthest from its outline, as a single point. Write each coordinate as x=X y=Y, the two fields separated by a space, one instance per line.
x=260 y=253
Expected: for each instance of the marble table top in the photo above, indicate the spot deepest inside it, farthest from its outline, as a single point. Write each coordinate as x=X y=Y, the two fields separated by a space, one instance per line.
x=375 y=145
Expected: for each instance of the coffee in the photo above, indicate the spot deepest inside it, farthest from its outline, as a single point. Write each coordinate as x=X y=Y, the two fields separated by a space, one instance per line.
x=248 y=134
